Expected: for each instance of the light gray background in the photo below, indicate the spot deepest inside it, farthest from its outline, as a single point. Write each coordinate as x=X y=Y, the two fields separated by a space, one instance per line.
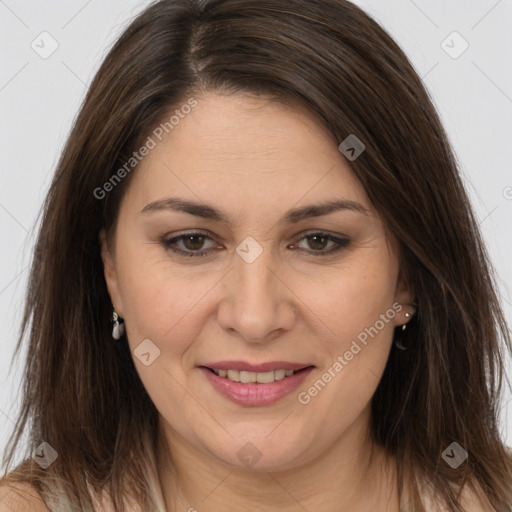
x=39 y=99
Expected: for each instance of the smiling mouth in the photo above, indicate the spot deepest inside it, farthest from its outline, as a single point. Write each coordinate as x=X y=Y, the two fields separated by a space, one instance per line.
x=247 y=377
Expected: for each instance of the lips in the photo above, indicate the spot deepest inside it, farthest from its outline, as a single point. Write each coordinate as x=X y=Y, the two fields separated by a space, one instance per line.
x=255 y=384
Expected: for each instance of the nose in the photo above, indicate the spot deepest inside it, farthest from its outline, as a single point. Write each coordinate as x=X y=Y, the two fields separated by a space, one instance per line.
x=257 y=303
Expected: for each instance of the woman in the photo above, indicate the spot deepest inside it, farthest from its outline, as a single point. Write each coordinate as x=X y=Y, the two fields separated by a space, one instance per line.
x=259 y=284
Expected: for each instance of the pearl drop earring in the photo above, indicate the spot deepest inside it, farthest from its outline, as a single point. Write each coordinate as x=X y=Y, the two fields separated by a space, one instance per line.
x=118 y=327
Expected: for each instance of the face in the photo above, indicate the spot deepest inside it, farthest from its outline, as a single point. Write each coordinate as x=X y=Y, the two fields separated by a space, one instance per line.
x=226 y=267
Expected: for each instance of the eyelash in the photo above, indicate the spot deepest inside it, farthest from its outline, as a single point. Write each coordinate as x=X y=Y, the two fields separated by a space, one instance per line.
x=169 y=243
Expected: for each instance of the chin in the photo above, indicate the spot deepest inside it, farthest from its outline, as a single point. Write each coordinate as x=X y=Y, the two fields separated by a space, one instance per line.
x=261 y=454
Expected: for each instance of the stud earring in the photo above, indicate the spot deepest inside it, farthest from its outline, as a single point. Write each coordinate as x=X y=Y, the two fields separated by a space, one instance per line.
x=407 y=315
x=399 y=342
x=118 y=327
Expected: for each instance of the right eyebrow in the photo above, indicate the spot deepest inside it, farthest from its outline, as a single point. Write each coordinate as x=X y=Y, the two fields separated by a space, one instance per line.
x=293 y=216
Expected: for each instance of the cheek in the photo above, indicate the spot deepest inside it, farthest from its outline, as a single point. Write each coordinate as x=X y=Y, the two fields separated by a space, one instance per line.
x=357 y=313
x=352 y=298
x=158 y=299
x=360 y=312
x=163 y=305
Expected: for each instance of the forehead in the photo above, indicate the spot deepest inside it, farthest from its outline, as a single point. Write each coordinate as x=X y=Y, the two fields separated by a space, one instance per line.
x=248 y=150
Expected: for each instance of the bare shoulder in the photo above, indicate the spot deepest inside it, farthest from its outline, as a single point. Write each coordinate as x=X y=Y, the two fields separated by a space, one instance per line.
x=17 y=497
x=473 y=499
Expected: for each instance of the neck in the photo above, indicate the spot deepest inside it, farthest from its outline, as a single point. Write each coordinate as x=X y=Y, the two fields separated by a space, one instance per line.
x=352 y=475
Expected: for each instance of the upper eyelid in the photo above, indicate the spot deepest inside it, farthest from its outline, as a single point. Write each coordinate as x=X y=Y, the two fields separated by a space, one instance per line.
x=299 y=236
x=187 y=233
x=337 y=239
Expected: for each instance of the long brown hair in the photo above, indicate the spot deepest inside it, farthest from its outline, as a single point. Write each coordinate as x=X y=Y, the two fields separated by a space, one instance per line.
x=332 y=58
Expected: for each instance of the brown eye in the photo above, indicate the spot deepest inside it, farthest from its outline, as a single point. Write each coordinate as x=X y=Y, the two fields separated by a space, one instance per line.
x=318 y=242
x=188 y=244
x=193 y=242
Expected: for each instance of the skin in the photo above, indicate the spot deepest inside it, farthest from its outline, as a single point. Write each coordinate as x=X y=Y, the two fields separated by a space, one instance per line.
x=255 y=159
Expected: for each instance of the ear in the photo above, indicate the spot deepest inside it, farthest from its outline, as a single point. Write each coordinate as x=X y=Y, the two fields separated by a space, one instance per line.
x=406 y=297
x=110 y=272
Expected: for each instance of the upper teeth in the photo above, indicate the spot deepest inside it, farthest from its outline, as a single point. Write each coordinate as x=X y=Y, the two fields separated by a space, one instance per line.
x=248 y=377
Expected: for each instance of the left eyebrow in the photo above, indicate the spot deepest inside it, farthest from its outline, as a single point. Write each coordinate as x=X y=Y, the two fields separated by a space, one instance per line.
x=180 y=205
x=293 y=216
x=325 y=208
